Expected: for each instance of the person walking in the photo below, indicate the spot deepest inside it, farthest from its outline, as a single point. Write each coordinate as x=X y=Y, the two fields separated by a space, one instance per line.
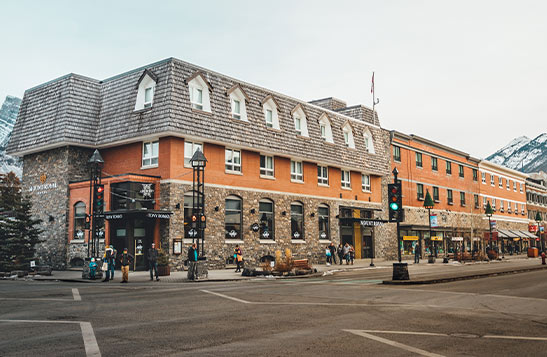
x=125 y=259
x=345 y=253
x=351 y=254
x=153 y=262
x=417 y=253
x=340 y=252
x=110 y=261
x=192 y=262
x=328 y=255
x=332 y=249
x=238 y=256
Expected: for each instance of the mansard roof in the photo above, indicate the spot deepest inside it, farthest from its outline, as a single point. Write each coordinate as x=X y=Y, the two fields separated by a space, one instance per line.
x=148 y=73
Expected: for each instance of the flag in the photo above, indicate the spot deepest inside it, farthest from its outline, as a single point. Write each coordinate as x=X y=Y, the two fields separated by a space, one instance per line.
x=372 y=86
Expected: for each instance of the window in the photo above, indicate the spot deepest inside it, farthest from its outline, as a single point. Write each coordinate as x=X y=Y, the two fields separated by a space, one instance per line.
x=348 y=136
x=507 y=184
x=150 y=153
x=434 y=166
x=300 y=121
x=500 y=182
x=79 y=220
x=269 y=118
x=462 y=199
x=326 y=131
x=509 y=206
x=198 y=89
x=369 y=142
x=418 y=159
x=296 y=171
x=266 y=214
x=324 y=222
x=475 y=175
x=238 y=100
x=145 y=90
x=346 y=179
x=501 y=205
x=484 y=202
x=516 y=208
x=196 y=98
x=420 y=191
x=190 y=149
x=460 y=168
x=494 y=204
x=449 y=197
x=492 y=179
x=476 y=200
x=148 y=95
x=233 y=160
x=448 y=168
x=266 y=165
x=233 y=219
x=396 y=153
x=365 y=182
x=270 y=112
x=236 y=109
x=521 y=188
x=297 y=220
x=298 y=125
x=483 y=176
x=435 y=194
x=515 y=186
x=322 y=175
x=188 y=204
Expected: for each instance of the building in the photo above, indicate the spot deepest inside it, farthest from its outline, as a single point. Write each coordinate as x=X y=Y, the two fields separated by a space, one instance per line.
x=536 y=202
x=305 y=173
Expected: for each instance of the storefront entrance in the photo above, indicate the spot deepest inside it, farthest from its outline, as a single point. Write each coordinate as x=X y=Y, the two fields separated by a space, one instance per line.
x=356 y=229
x=135 y=234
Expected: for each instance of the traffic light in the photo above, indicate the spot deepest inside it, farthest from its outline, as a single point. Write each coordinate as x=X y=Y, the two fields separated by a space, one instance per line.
x=98 y=200
x=395 y=202
x=87 y=223
x=203 y=221
x=194 y=221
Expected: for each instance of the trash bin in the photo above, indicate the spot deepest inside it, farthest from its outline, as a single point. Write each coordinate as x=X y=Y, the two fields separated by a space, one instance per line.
x=533 y=252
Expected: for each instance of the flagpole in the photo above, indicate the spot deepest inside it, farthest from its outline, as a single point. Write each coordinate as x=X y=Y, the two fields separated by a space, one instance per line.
x=374 y=101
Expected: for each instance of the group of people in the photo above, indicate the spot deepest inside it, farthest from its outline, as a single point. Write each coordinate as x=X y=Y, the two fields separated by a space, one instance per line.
x=344 y=252
x=125 y=259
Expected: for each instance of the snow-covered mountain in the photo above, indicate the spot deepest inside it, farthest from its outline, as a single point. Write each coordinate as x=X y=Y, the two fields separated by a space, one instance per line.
x=8 y=116
x=523 y=154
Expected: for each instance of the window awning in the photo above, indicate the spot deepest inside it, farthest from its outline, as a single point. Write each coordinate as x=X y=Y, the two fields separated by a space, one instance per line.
x=524 y=234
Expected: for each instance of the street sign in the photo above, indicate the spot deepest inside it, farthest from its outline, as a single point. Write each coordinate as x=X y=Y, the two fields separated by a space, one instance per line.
x=255 y=227
x=192 y=233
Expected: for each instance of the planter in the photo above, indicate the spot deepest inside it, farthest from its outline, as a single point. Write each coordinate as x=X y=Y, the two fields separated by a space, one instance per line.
x=164 y=270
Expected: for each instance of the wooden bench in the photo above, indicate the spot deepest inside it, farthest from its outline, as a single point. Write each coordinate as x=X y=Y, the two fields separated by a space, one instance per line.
x=301 y=264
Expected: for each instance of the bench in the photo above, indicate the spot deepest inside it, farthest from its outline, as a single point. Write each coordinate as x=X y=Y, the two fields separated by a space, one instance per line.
x=301 y=264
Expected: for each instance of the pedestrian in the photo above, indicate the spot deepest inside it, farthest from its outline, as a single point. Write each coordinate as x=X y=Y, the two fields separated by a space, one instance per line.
x=417 y=253
x=92 y=269
x=238 y=256
x=351 y=254
x=153 y=262
x=332 y=249
x=345 y=253
x=328 y=255
x=125 y=259
x=340 y=253
x=192 y=262
x=110 y=261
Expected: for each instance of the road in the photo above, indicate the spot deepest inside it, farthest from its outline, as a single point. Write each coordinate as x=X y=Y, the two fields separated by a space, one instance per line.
x=348 y=313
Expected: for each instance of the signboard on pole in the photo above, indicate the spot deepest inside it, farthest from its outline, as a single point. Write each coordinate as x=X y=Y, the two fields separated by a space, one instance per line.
x=434 y=221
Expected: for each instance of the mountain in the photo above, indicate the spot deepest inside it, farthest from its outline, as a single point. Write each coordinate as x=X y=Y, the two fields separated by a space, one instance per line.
x=523 y=154
x=8 y=116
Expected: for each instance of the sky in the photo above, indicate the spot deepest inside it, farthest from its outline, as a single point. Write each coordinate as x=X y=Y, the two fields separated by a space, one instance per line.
x=471 y=75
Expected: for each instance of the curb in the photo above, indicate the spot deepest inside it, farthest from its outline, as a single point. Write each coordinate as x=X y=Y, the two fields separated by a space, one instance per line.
x=463 y=277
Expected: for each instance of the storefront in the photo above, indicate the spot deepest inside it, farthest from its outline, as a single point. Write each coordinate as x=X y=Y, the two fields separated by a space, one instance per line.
x=357 y=229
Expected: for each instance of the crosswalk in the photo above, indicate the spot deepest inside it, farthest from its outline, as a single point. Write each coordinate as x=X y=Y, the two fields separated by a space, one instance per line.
x=322 y=281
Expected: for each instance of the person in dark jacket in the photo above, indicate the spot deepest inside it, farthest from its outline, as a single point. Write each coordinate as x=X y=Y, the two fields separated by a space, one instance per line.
x=109 y=260
x=417 y=253
x=192 y=259
x=238 y=256
x=340 y=252
x=153 y=262
x=125 y=259
x=332 y=249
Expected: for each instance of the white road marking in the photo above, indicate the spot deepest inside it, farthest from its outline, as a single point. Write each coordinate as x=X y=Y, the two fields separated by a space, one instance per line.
x=76 y=294
x=90 y=343
x=405 y=332
x=394 y=343
x=35 y=299
x=227 y=297
x=517 y=337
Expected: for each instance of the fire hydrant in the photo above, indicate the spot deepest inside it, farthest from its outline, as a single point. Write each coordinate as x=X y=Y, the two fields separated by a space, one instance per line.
x=542 y=258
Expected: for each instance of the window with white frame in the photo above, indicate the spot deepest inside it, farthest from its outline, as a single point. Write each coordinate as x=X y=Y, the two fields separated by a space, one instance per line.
x=233 y=160
x=148 y=96
x=190 y=149
x=515 y=186
x=484 y=202
x=507 y=184
x=297 y=220
x=145 y=92
x=199 y=93
x=509 y=206
x=238 y=103
x=325 y=127
x=324 y=221
x=494 y=204
x=297 y=173
x=346 y=179
x=348 y=136
x=500 y=182
x=483 y=176
x=369 y=142
x=521 y=187
x=150 y=153
x=300 y=121
x=492 y=179
x=266 y=165
x=365 y=182
x=501 y=205
x=267 y=219
x=322 y=175
x=270 y=112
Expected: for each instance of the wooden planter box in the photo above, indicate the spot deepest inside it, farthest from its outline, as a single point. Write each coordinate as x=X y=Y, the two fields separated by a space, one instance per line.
x=164 y=270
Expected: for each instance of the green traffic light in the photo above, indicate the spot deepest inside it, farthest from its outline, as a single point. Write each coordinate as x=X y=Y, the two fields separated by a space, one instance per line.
x=394 y=206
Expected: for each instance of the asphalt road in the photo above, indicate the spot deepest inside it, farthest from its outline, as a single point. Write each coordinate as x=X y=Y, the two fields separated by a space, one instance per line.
x=345 y=314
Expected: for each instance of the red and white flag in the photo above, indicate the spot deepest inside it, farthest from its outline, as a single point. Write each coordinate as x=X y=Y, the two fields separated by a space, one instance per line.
x=372 y=86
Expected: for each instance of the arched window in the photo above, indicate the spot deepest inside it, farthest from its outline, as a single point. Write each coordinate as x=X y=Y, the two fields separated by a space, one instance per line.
x=297 y=220
x=266 y=216
x=233 y=217
x=79 y=220
x=324 y=222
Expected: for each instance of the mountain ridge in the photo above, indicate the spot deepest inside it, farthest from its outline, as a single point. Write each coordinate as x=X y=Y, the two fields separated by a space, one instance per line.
x=523 y=154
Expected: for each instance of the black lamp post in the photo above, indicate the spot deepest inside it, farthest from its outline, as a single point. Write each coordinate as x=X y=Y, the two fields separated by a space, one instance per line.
x=538 y=220
x=96 y=163
x=198 y=162
x=489 y=212
x=429 y=204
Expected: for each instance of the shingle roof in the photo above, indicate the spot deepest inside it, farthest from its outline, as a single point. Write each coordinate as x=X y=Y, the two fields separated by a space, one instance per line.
x=75 y=110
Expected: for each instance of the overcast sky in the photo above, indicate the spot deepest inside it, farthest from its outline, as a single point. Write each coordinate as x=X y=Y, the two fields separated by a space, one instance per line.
x=467 y=74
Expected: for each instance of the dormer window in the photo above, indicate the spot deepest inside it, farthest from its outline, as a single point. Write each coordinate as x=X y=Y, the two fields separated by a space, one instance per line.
x=325 y=127
x=270 y=112
x=199 y=89
x=300 y=120
x=145 y=90
x=369 y=143
x=348 y=136
x=238 y=101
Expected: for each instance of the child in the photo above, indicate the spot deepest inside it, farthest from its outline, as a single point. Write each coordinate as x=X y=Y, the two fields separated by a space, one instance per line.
x=92 y=269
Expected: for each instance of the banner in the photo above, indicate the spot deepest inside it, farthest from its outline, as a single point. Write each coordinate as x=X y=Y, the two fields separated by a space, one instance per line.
x=433 y=220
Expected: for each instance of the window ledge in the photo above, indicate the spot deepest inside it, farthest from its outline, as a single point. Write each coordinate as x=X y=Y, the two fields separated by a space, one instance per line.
x=303 y=137
x=142 y=110
x=201 y=111
x=267 y=177
x=436 y=201
x=187 y=241
x=448 y=174
x=233 y=241
x=229 y=172
x=298 y=241
x=329 y=143
x=397 y=161
x=297 y=181
x=324 y=241
x=274 y=129
x=243 y=121
x=451 y=203
x=323 y=185
x=421 y=199
x=366 y=191
x=270 y=241
x=419 y=167
x=149 y=167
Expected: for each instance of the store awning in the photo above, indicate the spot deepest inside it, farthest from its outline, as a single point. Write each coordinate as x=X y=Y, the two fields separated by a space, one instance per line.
x=524 y=234
x=124 y=214
x=504 y=233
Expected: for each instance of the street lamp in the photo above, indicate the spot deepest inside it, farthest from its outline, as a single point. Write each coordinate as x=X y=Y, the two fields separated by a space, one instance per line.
x=96 y=163
x=429 y=204
x=198 y=162
x=489 y=212
x=538 y=220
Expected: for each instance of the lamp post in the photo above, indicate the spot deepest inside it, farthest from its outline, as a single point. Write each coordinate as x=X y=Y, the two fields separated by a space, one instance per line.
x=198 y=162
x=538 y=220
x=96 y=163
x=489 y=212
x=429 y=204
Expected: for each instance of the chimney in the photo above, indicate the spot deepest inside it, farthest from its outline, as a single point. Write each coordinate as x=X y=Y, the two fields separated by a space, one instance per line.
x=329 y=103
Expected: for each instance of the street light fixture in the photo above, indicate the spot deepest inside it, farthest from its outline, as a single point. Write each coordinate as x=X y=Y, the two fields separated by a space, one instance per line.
x=96 y=163
x=538 y=220
x=488 y=211
x=198 y=162
x=429 y=204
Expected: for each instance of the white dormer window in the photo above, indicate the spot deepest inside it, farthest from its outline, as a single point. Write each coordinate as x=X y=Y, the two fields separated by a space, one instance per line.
x=348 y=136
x=300 y=120
x=199 y=89
x=369 y=143
x=270 y=112
x=325 y=127
x=238 y=102
x=145 y=90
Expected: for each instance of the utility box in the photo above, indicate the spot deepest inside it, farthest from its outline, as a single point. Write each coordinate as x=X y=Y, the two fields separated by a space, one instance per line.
x=533 y=252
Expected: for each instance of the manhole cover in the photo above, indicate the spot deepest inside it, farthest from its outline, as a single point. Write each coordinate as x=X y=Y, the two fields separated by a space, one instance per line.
x=464 y=335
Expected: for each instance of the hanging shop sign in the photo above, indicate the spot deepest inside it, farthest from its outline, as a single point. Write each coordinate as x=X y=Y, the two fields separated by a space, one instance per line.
x=437 y=238
x=410 y=237
x=532 y=228
x=296 y=235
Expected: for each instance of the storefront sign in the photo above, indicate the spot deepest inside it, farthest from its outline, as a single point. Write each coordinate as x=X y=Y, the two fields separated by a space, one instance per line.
x=410 y=237
x=437 y=238
x=113 y=216
x=457 y=239
x=158 y=215
x=177 y=246
x=43 y=188
x=434 y=221
x=371 y=222
x=532 y=228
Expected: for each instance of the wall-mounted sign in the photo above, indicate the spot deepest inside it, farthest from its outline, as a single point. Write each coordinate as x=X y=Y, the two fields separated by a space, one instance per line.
x=296 y=235
x=457 y=239
x=43 y=178
x=434 y=221
x=410 y=237
x=177 y=246
x=192 y=233
x=147 y=190
x=158 y=215
x=42 y=188
x=232 y=233
x=371 y=222
x=266 y=234
x=255 y=227
x=111 y=216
